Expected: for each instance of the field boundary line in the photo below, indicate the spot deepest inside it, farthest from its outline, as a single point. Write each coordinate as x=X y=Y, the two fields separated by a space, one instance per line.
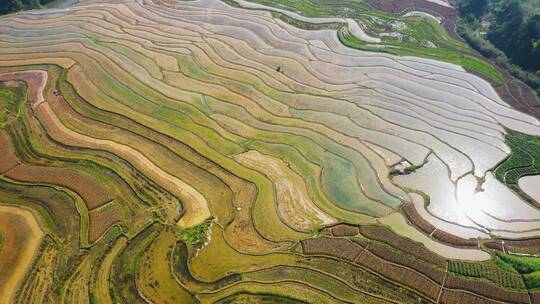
x=11 y=168
x=324 y=273
x=374 y=272
x=444 y=281
x=361 y=251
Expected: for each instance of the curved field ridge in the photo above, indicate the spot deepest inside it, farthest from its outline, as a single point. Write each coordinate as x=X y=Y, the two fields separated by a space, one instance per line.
x=353 y=25
x=531 y=186
x=195 y=204
x=22 y=236
x=227 y=154
x=293 y=201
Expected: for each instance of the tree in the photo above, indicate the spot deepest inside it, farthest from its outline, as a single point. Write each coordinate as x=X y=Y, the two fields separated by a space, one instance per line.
x=530 y=44
x=11 y=6
x=508 y=22
x=475 y=8
x=30 y=4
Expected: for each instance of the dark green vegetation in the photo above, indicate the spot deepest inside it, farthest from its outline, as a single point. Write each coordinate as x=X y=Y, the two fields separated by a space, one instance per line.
x=506 y=31
x=11 y=6
x=524 y=159
x=529 y=267
x=195 y=236
x=409 y=36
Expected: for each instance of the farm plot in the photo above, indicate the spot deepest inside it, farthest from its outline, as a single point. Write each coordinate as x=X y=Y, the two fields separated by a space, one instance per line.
x=12 y=96
x=210 y=153
x=90 y=190
x=494 y=274
x=342 y=248
x=39 y=285
x=403 y=275
x=445 y=231
x=155 y=280
x=486 y=289
x=102 y=279
x=89 y=185
x=529 y=184
x=523 y=160
x=331 y=286
x=294 y=205
x=22 y=236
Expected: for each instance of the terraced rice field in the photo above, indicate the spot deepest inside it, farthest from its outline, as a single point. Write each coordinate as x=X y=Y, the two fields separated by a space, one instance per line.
x=529 y=184
x=218 y=152
x=21 y=236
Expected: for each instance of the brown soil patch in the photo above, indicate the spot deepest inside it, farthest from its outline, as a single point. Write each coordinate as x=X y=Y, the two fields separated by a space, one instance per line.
x=495 y=245
x=453 y=240
x=457 y=296
x=530 y=246
x=8 y=161
x=413 y=217
x=102 y=219
x=91 y=191
x=401 y=275
x=385 y=235
x=392 y=255
x=344 y=230
x=535 y=297
x=341 y=248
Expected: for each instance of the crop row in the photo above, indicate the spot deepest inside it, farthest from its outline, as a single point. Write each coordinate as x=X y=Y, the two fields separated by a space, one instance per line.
x=385 y=235
x=524 y=160
x=494 y=274
x=485 y=289
x=409 y=210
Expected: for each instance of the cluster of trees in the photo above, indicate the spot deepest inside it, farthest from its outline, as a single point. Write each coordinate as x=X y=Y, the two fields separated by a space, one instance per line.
x=507 y=31
x=517 y=34
x=10 y=6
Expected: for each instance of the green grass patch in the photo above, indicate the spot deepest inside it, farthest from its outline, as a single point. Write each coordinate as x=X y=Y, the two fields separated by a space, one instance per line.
x=532 y=280
x=11 y=99
x=523 y=264
x=195 y=236
x=529 y=267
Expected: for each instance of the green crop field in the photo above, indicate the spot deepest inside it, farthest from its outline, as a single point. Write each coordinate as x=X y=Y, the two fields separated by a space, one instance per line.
x=524 y=160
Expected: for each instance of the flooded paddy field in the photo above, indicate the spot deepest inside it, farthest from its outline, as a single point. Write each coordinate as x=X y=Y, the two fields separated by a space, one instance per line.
x=208 y=151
